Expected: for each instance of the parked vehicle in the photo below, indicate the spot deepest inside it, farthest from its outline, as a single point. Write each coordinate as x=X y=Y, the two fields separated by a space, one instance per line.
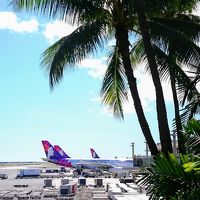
x=3 y=176
x=28 y=173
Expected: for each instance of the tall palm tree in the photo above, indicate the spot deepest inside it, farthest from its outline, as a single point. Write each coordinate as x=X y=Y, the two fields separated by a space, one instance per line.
x=174 y=46
x=167 y=9
x=98 y=20
x=160 y=103
x=177 y=34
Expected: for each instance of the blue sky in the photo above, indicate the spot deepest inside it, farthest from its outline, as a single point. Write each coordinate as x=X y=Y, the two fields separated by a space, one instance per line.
x=71 y=115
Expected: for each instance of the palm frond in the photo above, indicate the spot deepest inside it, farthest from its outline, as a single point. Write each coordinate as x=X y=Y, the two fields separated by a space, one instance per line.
x=191 y=132
x=166 y=65
x=169 y=8
x=166 y=178
x=186 y=24
x=137 y=53
x=72 y=10
x=114 y=90
x=191 y=109
x=185 y=50
x=190 y=91
x=72 y=49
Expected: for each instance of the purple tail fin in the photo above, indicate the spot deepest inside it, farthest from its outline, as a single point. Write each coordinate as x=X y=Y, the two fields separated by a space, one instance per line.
x=51 y=153
x=61 y=152
x=94 y=154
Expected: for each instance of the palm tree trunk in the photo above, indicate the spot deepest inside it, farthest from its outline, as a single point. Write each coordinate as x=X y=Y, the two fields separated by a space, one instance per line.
x=181 y=145
x=160 y=103
x=123 y=46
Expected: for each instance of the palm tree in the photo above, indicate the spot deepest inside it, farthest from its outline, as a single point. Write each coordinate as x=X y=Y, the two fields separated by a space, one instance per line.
x=168 y=35
x=98 y=21
x=168 y=10
x=160 y=103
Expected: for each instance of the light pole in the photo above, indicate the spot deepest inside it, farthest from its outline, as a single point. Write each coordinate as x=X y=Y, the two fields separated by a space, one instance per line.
x=147 y=155
x=174 y=142
x=147 y=149
x=133 y=156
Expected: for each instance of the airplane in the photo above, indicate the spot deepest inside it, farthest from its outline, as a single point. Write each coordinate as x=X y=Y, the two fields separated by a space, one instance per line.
x=118 y=164
x=93 y=153
x=61 y=152
x=95 y=163
x=53 y=156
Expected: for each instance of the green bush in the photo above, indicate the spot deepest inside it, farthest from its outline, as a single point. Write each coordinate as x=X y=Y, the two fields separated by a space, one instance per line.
x=174 y=178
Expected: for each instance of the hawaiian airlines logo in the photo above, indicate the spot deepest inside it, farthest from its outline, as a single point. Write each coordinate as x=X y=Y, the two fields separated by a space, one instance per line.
x=94 y=154
x=59 y=150
x=50 y=152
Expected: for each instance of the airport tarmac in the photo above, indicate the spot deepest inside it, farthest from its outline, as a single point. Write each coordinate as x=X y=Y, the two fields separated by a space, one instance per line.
x=26 y=188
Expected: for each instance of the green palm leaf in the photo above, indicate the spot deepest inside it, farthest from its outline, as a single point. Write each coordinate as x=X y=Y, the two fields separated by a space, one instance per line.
x=114 y=89
x=72 y=49
x=169 y=8
x=191 y=109
x=191 y=132
x=185 y=50
x=166 y=178
x=137 y=53
x=71 y=10
x=187 y=24
x=167 y=64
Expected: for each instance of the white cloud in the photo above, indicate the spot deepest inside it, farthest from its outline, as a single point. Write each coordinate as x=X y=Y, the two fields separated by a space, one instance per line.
x=197 y=10
x=9 y=21
x=96 y=67
x=146 y=91
x=128 y=107
x=56 y=30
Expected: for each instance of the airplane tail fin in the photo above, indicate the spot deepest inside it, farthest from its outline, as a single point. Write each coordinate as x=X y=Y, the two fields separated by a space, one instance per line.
x=50 y=151
x=61 y=152
x=94 y=154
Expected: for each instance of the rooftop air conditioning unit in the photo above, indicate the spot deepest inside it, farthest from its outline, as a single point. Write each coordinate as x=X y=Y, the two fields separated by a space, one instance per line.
x=48 y=183
x=65 y=190
x=98 y=182
x=82 y=181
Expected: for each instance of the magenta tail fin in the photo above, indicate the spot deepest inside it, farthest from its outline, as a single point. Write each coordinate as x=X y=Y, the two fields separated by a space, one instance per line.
x=94 y=154
x=50 y=151
x=61 y=152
